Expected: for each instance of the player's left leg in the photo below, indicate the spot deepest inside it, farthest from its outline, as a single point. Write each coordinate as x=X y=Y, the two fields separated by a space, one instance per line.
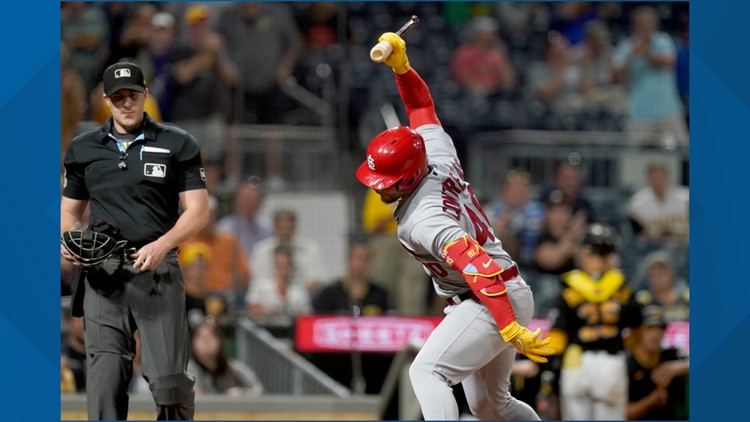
x=158 y=306
x=466 y=340
x=488 y=391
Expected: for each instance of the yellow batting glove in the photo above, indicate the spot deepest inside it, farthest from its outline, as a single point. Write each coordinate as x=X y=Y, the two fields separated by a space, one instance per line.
x=527 y=342
x=397 y=59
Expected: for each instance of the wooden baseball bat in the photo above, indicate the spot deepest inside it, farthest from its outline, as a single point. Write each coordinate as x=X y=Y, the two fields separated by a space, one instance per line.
x=383 y=49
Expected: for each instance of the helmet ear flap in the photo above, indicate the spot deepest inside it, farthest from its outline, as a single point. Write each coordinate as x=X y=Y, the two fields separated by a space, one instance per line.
x=411 y=183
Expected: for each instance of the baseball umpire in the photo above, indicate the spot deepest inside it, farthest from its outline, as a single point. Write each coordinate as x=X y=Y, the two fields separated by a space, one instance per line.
x=135 y=174
x=440 y=223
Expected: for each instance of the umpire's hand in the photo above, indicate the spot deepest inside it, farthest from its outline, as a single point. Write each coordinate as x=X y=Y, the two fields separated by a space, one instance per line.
x=150 y=256
x=69 y=258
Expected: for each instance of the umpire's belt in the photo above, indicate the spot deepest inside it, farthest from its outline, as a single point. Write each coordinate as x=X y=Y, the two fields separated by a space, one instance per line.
x=508 y=274
x=123 y=254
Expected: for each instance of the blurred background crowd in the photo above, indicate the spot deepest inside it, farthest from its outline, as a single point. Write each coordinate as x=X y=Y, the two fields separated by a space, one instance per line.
x=564 y=114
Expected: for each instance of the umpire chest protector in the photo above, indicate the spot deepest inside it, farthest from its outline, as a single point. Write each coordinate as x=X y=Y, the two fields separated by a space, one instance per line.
x=135 y=187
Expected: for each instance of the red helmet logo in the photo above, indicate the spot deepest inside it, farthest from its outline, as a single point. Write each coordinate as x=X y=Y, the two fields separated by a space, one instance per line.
x=395 y=156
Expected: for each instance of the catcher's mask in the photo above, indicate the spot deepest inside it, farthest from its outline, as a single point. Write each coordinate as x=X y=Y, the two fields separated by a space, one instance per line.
x=92 y=246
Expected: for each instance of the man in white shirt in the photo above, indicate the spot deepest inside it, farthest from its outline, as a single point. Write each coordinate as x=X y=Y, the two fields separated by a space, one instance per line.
x=659 y=211
x=305 y=252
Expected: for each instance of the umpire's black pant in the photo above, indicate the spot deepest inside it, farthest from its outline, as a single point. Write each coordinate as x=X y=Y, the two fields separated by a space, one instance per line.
x=118 y=300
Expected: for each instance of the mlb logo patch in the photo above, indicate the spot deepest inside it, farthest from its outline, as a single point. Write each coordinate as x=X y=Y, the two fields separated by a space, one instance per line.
x=155 y=170
x=122 y=73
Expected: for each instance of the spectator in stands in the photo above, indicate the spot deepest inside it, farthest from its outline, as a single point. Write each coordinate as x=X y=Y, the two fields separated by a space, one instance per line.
x=305 y=252
x=85 y=31
x=156 y=61
x=214 y=370
x=355 y=294
x=227 y=273
x=244 y=223
x=74 y=350
x=516 y=220
x=262 y=70
x=203 y=74
x=280 y=294
x=117 y=14
x=557 y=81
x=355 y=289
x=72 y=100
x=659 y=211
x=657 y=377
x=663 y=291
x=136 y=32
x=594 y=56
x=568 y=182
x=319 y=24
x=645 y=63
x=560 y=236
x=392 y=266
x=570 y=18
x=480 y=65
x=194 y=260
x=520 y=18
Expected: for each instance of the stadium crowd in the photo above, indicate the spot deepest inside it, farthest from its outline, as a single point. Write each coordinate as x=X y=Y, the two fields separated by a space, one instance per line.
x=217 y=68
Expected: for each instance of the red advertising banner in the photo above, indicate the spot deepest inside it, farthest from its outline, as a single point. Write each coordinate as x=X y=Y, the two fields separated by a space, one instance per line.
x=389 y=334
x=365 y=334
x=677 y=335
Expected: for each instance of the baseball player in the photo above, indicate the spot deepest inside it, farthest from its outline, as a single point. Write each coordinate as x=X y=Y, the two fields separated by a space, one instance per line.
x=135 y=174
x=441 y=224
x=594 y=307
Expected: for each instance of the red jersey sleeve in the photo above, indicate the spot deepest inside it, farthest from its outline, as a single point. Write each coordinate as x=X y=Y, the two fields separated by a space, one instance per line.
x=417 y=99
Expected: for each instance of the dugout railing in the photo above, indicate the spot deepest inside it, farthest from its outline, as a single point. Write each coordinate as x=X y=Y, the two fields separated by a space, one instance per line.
x=279 y=367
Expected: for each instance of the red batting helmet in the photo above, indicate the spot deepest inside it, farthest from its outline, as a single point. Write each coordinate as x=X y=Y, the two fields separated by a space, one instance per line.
x=396 y=155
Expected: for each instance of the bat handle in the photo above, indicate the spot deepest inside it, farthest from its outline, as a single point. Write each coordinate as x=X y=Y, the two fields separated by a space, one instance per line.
x=380 y=51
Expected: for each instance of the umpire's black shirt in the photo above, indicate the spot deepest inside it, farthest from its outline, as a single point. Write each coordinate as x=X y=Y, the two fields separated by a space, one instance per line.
x=140 y=197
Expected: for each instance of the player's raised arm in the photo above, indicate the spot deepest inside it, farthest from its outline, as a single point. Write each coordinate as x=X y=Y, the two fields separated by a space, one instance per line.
x=414 y=92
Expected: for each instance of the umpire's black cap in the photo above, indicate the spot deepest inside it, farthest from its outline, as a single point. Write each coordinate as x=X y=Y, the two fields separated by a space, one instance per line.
x=123 y=75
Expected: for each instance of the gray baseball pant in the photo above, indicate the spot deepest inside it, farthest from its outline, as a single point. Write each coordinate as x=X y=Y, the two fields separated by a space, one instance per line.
x=467 y=347
x=118 y=300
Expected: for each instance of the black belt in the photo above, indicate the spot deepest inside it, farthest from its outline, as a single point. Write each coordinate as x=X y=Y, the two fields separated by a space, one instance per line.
x=508 y=274
x=124 y=255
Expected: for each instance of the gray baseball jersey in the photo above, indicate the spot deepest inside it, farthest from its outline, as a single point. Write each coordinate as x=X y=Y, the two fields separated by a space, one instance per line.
x=443 y=209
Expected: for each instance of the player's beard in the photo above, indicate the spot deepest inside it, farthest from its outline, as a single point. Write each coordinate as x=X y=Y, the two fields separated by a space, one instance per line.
x=389 y=198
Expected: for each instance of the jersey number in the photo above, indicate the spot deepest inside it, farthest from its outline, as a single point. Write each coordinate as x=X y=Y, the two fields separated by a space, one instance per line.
x=480 y=222
x=601 y=321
